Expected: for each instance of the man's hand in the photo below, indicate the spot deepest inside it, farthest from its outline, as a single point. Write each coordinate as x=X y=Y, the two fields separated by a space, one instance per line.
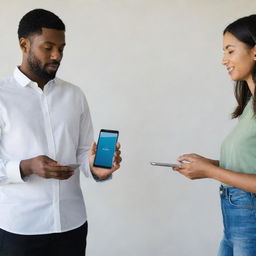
x=45 y=167
x=103 y=173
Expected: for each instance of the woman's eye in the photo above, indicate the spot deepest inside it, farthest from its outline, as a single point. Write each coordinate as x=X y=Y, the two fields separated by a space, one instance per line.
x=47 y=49
x=230 y=52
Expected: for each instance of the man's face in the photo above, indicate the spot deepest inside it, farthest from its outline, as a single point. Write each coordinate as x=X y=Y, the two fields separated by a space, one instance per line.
x=46 y=52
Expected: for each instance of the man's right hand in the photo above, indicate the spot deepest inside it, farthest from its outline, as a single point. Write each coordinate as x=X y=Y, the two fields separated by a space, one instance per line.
x=45 y=167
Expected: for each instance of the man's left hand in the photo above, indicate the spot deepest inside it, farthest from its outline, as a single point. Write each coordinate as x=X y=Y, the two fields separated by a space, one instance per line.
x=103 y=173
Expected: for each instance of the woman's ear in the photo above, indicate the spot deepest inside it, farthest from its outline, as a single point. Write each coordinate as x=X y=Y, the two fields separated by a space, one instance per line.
x=24 y=44
x=254 y=52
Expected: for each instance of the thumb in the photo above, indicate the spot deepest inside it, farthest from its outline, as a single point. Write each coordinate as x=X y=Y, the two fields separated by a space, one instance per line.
x=93 y=148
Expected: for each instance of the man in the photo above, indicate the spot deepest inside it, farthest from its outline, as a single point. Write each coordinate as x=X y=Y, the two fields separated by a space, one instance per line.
x=45 y=125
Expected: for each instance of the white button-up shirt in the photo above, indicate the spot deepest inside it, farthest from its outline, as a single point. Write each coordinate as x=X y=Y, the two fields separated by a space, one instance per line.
x=54 y=122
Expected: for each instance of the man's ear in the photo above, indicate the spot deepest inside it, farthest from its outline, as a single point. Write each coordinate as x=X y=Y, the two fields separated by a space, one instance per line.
x=24 y=44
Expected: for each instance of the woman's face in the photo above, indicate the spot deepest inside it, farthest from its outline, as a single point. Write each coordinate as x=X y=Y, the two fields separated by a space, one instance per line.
x=238 y=58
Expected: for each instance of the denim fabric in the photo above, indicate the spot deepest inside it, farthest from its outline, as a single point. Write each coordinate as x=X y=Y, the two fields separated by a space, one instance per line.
x=239 y=219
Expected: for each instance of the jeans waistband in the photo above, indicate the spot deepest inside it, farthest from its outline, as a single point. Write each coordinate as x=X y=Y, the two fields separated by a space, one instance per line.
x=226 y=190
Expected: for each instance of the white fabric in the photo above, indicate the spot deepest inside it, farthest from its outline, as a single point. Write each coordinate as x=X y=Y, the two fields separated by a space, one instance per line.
x=54 y=122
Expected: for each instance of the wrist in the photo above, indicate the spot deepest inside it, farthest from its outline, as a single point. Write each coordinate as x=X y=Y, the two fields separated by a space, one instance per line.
x=24 y=168
x=212 y=171
x=214 y=162
x=100 y=175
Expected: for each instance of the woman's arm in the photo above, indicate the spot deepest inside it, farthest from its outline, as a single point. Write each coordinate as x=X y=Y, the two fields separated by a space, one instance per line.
x=240 y=180
x=214 y=162
x=200 y=167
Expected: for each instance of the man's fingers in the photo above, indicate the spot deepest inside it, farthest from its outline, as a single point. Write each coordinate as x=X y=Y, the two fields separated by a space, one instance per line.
x=118 y=159
x=55 y=163
x=115 y=166
x=57 y=172
x=118 y=145
x=117 y=153
x=58 y=168
x=59 y=175
x=93 y=148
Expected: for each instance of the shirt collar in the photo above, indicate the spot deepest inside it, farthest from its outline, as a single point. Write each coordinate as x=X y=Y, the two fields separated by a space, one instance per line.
x=23 y=80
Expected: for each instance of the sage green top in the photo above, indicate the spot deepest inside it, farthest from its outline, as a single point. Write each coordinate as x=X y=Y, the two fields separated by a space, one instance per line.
x=238 y=150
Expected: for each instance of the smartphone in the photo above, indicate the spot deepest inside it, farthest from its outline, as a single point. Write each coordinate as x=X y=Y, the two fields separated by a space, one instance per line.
x=73 y=166
x=106 y=147
x=164 y=164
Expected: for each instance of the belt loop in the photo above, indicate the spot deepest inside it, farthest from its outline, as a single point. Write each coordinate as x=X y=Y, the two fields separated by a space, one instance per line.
x=223 y=191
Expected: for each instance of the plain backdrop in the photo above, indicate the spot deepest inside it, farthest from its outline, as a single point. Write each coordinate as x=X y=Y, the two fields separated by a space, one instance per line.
x=151 y=69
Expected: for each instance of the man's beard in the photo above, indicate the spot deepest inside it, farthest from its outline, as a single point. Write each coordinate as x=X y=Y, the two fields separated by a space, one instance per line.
x=39 y=69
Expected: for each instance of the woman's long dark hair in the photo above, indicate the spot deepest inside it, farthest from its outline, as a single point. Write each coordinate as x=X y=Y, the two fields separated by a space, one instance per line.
x=244 y=29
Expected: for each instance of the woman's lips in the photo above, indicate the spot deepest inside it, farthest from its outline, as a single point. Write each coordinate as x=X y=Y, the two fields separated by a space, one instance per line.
x=230 y=69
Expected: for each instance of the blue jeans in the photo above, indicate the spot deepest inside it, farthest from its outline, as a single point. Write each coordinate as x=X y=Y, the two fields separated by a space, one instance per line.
x=239 y=219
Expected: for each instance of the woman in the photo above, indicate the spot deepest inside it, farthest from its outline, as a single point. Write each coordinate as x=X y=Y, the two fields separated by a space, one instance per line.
x=236 y=169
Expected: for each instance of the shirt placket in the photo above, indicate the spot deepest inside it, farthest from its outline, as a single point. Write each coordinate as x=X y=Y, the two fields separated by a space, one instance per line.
x=52 y=154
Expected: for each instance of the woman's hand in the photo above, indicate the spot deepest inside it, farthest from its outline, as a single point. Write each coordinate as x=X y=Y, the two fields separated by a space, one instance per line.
x=194 y=166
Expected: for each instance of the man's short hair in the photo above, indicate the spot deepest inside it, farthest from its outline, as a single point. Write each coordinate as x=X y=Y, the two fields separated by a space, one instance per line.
x=33 y=22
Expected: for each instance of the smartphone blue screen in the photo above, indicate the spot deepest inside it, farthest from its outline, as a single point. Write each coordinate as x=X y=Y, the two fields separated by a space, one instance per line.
x=105 y=149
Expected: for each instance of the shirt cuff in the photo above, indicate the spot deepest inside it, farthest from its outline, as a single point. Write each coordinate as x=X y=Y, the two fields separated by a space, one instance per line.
x=13 y=172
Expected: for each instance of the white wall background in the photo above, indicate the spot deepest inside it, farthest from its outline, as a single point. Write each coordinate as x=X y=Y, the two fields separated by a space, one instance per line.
x=150 y=69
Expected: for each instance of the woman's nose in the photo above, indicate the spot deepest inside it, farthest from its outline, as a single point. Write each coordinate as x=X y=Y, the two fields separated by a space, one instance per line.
x=224 y=60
